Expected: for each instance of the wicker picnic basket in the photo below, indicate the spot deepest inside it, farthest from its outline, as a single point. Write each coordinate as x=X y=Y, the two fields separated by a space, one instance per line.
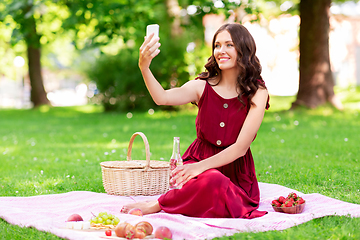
x=136 y=177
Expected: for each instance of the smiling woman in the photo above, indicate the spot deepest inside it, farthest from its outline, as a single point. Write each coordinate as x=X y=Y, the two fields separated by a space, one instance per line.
x=218 y=165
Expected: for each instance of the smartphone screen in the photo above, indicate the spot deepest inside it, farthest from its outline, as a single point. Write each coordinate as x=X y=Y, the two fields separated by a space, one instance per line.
x=153 y=28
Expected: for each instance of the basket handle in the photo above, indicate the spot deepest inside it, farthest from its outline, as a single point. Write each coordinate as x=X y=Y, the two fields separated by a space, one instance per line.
x=147 y=148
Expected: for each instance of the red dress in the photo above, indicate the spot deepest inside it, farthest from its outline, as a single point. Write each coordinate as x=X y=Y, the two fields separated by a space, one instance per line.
x=230 y=191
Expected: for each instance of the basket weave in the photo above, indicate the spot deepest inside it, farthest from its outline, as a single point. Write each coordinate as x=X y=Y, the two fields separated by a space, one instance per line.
x=136 y=177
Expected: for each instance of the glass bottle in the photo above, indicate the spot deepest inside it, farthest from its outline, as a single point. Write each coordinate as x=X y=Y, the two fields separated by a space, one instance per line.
x=175 y=159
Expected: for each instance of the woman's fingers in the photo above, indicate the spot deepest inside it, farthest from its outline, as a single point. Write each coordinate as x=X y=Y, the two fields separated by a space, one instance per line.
x=176 y=171
x=148 y=50
x=147 y=40
x=183 y=179
x=154 y=50
x=180 y=175
x=155 y=53
x=149 y=43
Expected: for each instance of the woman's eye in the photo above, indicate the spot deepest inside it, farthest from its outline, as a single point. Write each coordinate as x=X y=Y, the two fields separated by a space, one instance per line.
x=217 y=46
x=230 y=45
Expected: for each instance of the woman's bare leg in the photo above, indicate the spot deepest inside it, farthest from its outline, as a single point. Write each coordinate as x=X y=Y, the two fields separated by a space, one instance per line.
x=147 y=207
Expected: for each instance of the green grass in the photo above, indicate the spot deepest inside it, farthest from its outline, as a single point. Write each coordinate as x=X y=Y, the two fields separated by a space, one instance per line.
x=56 y=150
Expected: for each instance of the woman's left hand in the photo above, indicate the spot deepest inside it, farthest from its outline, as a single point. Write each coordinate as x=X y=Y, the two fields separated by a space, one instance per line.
x=182 y=174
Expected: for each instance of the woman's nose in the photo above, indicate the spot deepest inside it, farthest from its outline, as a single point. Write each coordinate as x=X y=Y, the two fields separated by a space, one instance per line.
x=222 y=49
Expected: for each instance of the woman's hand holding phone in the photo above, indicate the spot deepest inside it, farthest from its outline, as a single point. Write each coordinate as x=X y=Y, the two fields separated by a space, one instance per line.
x=150 y=47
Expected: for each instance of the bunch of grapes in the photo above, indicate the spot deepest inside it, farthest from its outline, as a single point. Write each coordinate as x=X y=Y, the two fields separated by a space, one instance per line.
x=105 y=218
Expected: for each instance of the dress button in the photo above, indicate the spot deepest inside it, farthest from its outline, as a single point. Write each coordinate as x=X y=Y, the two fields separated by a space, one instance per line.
x=226 y=105
x=222 y=124
x=218 y=142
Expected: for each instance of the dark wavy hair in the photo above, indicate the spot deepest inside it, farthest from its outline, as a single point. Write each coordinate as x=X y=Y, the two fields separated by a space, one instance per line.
x=249 y=79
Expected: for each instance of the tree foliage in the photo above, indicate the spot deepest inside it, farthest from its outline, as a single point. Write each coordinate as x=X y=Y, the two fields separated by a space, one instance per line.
x=122 y=86
x=117 y=27
x=111 y=26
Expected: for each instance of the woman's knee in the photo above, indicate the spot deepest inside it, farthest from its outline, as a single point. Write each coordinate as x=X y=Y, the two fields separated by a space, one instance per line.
x=213 y=175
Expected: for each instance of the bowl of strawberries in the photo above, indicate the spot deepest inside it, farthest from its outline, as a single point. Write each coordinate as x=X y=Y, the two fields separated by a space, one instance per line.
x=292 y=204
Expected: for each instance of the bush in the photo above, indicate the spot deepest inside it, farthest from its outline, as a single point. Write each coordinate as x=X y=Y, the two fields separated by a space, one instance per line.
x=119 y=79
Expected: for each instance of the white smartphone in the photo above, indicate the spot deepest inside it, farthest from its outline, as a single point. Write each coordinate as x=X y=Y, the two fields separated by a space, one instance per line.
x=153 y=28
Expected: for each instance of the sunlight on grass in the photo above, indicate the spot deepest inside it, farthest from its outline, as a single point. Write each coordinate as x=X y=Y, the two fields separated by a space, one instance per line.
x=281 y=103
x=39 y=185
x=89 y=109
x=352 y=106
x=44 y=108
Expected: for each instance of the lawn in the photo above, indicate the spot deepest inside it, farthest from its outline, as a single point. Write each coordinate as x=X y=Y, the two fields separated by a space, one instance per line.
x=57 y=150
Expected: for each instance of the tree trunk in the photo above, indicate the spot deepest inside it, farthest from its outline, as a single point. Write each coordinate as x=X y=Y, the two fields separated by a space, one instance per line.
x=316 y=83
x=38 y=93
x=32 y=39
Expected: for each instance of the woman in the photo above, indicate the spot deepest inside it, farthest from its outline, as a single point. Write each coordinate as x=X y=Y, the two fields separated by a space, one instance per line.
x=218 y=175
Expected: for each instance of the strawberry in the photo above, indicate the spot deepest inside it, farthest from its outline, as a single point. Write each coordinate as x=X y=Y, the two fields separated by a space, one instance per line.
x=281 y=199
x=292 y=195
x=275 y=203
x=300 y=200
x=289 y=203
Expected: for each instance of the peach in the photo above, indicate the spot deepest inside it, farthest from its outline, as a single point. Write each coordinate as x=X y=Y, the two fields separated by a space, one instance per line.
x=136 y=211
x=75 y=218
x=163 y=233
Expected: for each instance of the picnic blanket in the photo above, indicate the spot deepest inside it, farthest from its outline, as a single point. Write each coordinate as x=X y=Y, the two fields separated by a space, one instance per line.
x=49 y=213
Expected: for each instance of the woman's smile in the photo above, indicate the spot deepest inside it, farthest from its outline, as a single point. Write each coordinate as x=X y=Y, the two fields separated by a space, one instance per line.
x=224 y=59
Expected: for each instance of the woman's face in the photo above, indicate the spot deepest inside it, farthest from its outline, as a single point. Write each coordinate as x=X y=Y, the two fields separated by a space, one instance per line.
x=224 y=51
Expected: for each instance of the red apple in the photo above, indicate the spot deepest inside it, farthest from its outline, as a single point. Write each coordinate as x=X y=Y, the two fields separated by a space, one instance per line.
x=136 y=211
x=75 y=218
x=108 y=232
x=163 y=233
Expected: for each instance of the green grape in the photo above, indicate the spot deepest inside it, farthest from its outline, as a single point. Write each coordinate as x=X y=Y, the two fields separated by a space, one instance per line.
x=105 y=218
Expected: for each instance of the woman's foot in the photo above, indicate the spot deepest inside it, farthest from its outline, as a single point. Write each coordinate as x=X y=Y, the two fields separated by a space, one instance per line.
x=147 y=207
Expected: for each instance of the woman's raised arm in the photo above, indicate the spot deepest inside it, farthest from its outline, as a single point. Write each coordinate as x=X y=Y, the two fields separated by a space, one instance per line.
x=189 y=92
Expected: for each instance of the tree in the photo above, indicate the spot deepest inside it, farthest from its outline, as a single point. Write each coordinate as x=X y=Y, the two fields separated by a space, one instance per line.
x=316 y=83
x=22 y=12
x=93 y=24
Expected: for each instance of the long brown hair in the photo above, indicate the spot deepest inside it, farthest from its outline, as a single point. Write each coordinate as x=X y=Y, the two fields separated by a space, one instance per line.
x=249 y=79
